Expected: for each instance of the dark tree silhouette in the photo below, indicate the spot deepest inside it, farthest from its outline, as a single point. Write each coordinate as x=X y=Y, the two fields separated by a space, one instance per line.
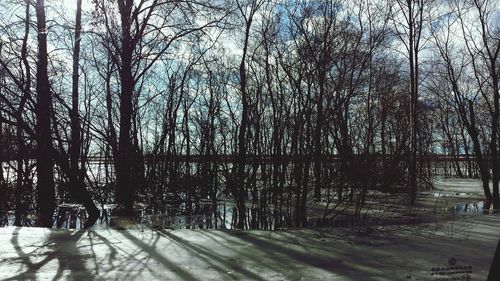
x=44 y=148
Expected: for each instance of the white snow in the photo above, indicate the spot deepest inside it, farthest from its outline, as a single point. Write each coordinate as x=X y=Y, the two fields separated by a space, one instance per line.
x=323 y=254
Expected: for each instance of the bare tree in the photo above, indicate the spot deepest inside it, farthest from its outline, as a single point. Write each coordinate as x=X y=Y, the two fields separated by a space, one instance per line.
x=141 y=22
x=44 y=153
x=248 y=12
x=78 y=173
x=409 y=30
x=482 y=45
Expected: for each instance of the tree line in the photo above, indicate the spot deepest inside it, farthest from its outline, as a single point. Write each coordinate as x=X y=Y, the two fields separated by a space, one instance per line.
x=138 y=84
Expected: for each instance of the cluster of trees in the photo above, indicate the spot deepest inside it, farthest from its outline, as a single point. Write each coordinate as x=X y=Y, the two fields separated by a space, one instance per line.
x=273 y=105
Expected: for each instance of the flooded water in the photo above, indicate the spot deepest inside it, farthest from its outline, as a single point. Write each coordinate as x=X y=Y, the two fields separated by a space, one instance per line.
x=74 y=216
x=220 y=216
x=468 y=208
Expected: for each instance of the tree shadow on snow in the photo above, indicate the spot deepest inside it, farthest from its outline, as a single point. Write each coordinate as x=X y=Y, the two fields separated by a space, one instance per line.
x=249 y=252
x=152 y=253
x=212 y=258
x=60 y=246
x=291 y=256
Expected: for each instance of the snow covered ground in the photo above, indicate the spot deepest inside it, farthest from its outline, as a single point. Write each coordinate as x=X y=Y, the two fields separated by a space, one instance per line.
x=411 y=253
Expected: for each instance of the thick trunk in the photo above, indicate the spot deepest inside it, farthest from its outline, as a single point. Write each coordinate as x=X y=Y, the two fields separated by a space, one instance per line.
x=484 y=170
x=125 y=192
x=44 y=149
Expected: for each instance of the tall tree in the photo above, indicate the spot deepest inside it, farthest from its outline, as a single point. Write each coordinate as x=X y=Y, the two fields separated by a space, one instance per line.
x=471 y=68
x=239 y=189
x=248 y=13
x=143 y=34
x=44 y=148
x=409 y=30
x=490 y=54
x=2 y=177
x=26 y=92
x=77 y=173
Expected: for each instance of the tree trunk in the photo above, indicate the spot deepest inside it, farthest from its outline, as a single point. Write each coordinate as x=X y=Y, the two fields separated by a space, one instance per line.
x=20 y=206
x=242 y=149
x=125 y=191
x=318 y=135
x=44 y=149
x=77 y=174
x=413 y=117
x=494 y=133
x=484 y=170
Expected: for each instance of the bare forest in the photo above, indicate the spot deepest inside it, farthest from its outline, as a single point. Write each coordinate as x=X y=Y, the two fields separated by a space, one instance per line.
x=243 y=114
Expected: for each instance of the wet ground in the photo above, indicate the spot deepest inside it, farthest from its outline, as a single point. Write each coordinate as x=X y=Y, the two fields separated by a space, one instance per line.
x=459 y=245
x=451 y=199
x=393 y=253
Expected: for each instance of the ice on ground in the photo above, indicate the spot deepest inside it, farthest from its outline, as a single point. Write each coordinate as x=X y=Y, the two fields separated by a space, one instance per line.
x=461 y=185
x=307 y=254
